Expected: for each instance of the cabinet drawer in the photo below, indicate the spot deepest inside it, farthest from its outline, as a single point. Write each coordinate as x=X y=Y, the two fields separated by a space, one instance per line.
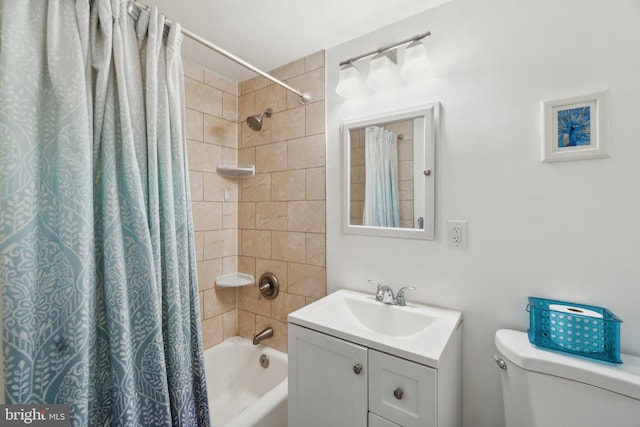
x=401 y=391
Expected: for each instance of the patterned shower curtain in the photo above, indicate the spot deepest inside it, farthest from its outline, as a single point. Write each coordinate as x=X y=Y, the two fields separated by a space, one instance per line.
x=381 y=196
x=99 y=296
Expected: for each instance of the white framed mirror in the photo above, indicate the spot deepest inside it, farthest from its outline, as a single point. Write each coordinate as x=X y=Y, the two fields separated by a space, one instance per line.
x=389 y=173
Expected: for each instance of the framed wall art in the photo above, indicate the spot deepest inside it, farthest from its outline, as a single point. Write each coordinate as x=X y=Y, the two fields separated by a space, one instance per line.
x=575 y=128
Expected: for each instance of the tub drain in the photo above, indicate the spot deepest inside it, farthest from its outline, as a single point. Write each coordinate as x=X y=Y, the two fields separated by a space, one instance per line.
x=264 y=361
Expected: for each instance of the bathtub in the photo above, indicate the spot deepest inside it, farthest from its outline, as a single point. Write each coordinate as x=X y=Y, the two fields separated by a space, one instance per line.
x=241 y=392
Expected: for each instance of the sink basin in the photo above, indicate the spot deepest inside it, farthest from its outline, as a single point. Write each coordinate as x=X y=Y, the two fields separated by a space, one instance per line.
x=416 y=332
x=394 y=321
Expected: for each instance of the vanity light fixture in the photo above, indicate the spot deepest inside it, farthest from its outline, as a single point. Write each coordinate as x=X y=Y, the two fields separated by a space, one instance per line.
x=351 y=83
x=383 y=71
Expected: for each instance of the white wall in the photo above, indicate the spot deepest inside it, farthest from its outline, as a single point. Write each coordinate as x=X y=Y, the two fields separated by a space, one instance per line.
x=568 y=230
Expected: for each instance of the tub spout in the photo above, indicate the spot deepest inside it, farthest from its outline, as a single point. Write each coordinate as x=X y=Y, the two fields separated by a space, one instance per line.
x=267 y=333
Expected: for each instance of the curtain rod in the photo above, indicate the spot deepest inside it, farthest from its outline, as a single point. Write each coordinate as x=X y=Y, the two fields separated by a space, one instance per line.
x=133 y=8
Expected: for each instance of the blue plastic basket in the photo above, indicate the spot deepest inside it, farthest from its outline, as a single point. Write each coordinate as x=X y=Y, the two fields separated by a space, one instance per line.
x=579 y=329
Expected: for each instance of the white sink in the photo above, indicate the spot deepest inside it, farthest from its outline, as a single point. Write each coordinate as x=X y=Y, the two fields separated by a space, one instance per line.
x=416 y=332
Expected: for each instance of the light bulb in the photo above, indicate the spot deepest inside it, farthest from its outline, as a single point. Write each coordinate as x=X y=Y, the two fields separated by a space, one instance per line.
x=416 y=63
x=350 y=82
x=383 y=73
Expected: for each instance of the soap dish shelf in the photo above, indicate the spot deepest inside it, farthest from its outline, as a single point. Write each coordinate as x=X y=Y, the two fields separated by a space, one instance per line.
x=234 y=280
x=231 y=171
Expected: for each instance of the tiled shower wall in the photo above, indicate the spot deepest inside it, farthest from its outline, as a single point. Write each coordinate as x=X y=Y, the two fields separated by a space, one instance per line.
x=281 y=213
x=273 y=221
x=212 y=138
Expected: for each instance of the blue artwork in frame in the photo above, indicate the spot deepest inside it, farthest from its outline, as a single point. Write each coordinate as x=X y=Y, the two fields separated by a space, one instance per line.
x=574 y=127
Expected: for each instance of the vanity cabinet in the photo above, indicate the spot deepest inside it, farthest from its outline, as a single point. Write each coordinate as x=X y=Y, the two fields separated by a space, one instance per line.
x=335 y=382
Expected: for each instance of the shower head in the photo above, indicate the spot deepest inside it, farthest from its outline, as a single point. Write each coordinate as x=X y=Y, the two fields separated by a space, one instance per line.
x=255 y=122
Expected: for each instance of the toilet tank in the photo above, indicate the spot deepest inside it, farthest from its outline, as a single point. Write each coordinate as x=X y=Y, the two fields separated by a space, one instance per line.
x=542 y=388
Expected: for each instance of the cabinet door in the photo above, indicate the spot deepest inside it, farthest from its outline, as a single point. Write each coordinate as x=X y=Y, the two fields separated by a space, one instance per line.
x=377 y=421
x=327 y=380
x=402 y=391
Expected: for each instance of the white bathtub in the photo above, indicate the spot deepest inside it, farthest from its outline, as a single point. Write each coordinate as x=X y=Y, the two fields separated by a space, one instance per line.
x=241 y=392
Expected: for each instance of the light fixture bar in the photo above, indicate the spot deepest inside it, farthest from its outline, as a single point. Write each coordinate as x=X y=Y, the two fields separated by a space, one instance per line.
x=386 y=48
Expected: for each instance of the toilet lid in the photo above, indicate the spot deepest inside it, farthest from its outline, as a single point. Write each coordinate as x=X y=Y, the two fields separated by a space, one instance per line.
x=620 y=378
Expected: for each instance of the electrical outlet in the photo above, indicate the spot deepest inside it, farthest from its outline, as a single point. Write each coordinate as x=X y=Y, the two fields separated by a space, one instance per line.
x=457 y=234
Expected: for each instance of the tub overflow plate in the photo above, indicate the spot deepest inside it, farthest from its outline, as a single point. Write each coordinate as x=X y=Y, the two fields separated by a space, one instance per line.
x=264 y=361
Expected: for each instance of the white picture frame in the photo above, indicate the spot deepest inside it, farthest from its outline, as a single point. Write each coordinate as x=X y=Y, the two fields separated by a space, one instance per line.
x=575 y=128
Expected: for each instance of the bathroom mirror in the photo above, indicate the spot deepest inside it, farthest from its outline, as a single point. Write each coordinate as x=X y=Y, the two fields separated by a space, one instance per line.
x=389 y=173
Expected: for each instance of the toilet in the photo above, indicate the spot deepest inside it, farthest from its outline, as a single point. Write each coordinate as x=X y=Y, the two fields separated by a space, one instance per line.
x=541 y=388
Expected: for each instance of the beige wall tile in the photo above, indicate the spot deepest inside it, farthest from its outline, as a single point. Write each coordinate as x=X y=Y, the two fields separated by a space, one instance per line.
x=247 y=215
x=307 y=152
x=192 y=71
x=307 y=216
x=285 y=304
x=314 y=116
x=405 y=150
x=198 y=240
x=230 y=107
x=314 y=61
x=220 y=131
x=218 y=301
x=288 y=246
x=219 y=82
x=246 y=324
x=212 y=332
x=315 y=184
x=247 y=156
x=195 y=186
x=289 y=70
x=405 y=190
x=274 y=97
x=219 y=243
x=208 y=270
x=307 y=280
x=207 y=216
x=271 y=157
x=251 y=138
x=246 y=106
x=279 y=268
x=230 y=264
x=311 y=82
x=405 y=171
x=229 y=156
x=202 y=97
x=230 y=324
x=256 y=243
x=288 y=124
x=271 y=215
x=215 y=186
x=253 y=84
x=194 y=124
x=316 y=249
x=250 y=301
x=256 y=188
x=279 y=341
x=230 y=216
x=288 y=185
x=247 y=265
x=202 y=156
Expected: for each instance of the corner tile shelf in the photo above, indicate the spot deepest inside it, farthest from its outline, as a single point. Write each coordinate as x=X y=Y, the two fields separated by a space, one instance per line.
x=234 y=280
x=231 y=171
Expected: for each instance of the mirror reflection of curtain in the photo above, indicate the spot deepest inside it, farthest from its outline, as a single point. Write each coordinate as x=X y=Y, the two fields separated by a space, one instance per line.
x=381 y=200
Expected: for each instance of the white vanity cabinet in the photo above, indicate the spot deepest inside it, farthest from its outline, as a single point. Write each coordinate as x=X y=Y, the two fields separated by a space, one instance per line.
x=356 y=362
x=334 y=382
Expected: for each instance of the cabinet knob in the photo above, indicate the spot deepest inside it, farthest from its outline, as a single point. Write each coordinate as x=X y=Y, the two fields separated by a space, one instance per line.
x=398 y=393
x=357 y=368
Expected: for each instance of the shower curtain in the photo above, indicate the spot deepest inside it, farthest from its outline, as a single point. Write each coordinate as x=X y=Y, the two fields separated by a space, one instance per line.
x=99 y=296
x=381 y=199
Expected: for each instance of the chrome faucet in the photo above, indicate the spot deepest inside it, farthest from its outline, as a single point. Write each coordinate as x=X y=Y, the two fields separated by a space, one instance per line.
x=384 y=294
x=267 y=333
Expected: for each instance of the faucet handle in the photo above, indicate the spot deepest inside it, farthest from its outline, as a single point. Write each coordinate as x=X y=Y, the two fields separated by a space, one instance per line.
x=400 y=295
x=379 y=291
